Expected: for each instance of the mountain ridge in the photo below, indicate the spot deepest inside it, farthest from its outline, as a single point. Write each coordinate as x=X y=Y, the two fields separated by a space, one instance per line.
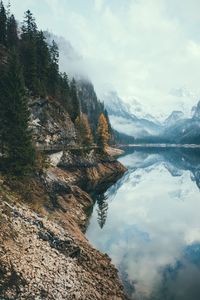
x=175 y=128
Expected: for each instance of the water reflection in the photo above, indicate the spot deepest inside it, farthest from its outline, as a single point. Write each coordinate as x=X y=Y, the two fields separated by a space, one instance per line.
x=102 y=209
x=152 y=230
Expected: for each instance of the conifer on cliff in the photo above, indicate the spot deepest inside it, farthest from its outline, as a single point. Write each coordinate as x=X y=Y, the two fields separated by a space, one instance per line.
x=20 y=153
x=84 y=130
x=103 y=135
x=3 y=24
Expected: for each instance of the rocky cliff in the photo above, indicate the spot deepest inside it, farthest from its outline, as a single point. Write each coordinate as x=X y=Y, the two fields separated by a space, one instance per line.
x=44 y=206
x=44 y=253
x=50 y=123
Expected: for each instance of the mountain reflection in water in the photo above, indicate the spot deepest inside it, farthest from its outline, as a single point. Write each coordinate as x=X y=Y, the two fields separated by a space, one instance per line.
x=149 y=224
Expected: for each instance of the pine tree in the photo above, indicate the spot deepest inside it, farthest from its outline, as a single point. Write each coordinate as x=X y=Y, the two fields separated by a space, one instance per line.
x=84 y=130
x=12 y=36
x=64 y=91
x=28 y=52
x=3 y=107
x=8 y=9
x=20 y=151
x=65 y=83
x=42 y=62
x=103 y=135
x=54 y=53
x=29 y=27
x=74 y=101
x=3 y=24
x=53 y=71
x=108 y=121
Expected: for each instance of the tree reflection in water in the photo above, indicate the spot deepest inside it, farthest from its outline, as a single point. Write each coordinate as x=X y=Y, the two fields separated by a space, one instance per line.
x=102 y=209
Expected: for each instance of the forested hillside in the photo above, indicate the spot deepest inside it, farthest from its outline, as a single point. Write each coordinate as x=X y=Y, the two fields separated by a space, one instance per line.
x=39 y=105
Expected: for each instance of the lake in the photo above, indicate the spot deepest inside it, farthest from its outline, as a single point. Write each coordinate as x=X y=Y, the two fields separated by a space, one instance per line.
x=149 y=224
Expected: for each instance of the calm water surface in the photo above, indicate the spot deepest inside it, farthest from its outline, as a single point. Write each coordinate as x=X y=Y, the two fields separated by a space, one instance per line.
x=149 y=224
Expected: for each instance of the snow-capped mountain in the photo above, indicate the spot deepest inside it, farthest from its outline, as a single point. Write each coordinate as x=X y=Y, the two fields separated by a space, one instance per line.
x=176 y=128
x=184 y=130
x=184 y=99
x=140 y=111
x=115 y=105
x=196 y=111
x=173 y=118
x=124 y=120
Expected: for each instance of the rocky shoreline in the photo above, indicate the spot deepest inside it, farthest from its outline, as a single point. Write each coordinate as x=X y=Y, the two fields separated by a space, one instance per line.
x=44 y=253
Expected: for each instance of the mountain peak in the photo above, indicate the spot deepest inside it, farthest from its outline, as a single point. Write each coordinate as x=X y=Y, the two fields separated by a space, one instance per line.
x=173 y=118
x=115 y=105
x=196 y=110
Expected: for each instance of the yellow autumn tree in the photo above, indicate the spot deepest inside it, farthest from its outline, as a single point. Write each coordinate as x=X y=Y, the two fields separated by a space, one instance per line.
x=84 y=130
x=103 y=135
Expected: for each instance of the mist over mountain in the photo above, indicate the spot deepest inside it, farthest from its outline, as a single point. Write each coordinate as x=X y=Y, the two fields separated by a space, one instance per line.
x=185 y=130
x=123 y=120
x=131 y=116
x=196 y=111
x=70 y=60
x=173 y=118
x=180 y=97
x=176 y=128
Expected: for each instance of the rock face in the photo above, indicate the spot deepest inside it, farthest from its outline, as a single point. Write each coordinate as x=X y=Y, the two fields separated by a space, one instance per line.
x=174 y=117
x=196 y=114
x=43 y=251
x=89 y=102
x=123 y=119
x=92 y=171
x=50 y=123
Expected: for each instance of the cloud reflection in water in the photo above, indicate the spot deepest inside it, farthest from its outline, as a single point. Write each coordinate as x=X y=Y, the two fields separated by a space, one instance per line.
x=152 y=231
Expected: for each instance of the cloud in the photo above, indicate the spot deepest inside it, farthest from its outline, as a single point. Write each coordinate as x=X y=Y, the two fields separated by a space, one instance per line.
x=98 y=4
x=140 y=233
x=141 y=48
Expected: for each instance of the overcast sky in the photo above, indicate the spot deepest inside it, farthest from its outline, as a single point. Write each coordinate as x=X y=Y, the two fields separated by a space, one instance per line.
x=144 y=49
